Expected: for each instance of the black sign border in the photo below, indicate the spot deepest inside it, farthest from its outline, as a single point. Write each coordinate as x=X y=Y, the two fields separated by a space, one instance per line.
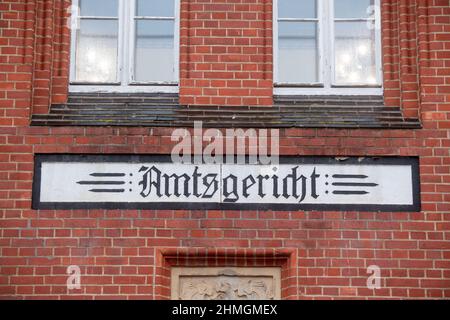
x=40 y=158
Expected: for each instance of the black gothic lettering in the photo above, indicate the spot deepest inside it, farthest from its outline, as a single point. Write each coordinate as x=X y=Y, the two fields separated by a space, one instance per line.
x=147 y=181
x=196 y=183
x=195 y=177
x=208 y=181
x=234 y=192
x=176 y=179
x=314 y=178
x=275 y=186
x=260 y=185
x=295 y=180
x=246 y=186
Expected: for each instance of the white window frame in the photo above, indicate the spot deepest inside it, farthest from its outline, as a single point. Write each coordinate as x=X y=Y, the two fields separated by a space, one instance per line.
x=326 y=58
x=125 y=60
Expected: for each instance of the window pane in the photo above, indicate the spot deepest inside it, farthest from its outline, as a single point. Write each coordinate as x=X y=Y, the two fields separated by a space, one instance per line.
x=298 y=53
x=155 y=8
x=99 y=8
x=96 y=55
x=297 y=9
x=353 y=9
x=154 y=56
x=355 y=53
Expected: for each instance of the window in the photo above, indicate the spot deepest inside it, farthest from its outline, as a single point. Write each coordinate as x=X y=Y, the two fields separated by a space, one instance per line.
x=327 y=47
x=125 y=45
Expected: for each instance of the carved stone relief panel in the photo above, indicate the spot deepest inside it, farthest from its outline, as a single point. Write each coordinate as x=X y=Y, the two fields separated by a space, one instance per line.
x=226 y=283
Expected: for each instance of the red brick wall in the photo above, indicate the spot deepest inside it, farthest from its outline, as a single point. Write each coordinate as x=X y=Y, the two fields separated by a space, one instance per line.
x=125 y=253
x=226 y=52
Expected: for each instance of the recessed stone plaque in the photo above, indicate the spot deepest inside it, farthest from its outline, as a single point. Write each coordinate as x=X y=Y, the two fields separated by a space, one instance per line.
x=226 y=283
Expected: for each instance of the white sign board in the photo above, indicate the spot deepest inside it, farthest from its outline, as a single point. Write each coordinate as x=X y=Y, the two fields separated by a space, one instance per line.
x=148 y=182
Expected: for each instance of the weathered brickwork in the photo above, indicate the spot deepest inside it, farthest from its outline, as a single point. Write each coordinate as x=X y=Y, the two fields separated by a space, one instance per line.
x=225 y=59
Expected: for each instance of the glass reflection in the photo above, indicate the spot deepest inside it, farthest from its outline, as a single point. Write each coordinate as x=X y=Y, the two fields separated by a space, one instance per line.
x=346 y=9
x=99 y=8
x=355 y=53
x=155 y=8
x=298 y=54
x=96 y=55
x=297 y=9
x=154 y=52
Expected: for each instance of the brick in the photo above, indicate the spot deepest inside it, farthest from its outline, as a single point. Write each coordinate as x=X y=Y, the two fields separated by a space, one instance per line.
x=225 y=60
